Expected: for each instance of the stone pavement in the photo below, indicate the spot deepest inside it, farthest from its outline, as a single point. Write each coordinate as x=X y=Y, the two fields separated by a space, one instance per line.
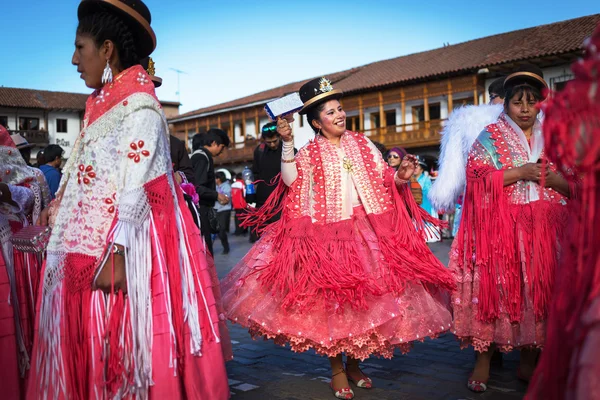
x=434 y=369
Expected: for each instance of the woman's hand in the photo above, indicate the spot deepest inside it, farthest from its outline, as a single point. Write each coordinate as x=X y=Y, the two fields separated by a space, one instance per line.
x=104 y=279
x=44 y=217
x=284 y=129
x=531 y=172
x=407 y=167
x=558 y=183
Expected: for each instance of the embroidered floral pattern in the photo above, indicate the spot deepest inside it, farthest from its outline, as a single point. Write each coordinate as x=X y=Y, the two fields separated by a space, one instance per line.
x=85 y=174
x=138 y=151
x=142 y=78
x=102 y=97
x=110 y=201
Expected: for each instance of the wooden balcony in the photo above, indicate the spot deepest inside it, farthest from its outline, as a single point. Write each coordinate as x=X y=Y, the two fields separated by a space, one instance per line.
x=39 y=138
x=236 y=156
x=419 y=134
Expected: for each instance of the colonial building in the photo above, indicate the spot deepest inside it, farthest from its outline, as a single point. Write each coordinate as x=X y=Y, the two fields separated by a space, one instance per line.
x=45 y=117
x=404 y=101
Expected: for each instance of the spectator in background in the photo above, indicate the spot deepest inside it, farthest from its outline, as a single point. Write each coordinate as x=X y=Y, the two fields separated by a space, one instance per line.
x=181 y=159
x=206 y=146
x=238 y=202
x=223 y=209
x=394 y=158
x=265 y=167
x=39 y=159
x=53 y=158
x=423 y=178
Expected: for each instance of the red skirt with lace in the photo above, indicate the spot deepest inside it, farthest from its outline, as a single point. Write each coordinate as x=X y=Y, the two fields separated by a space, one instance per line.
x=381 y=321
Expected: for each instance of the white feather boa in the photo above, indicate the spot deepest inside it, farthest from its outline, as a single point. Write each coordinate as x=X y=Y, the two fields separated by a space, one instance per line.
x=462 y=128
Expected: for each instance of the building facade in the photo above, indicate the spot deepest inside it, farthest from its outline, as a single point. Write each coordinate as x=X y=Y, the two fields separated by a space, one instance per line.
x=404 y=101
x=45 y=117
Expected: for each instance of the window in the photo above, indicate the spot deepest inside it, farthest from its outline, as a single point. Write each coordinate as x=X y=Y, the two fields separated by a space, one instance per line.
x=4 y=121
x=29 y=124
x=463 y=102
x=375 y=120
x=558 y=82
x=558 y=86
x=353 y=123
x=61 y=125
x=390 y=118
x=434 y=112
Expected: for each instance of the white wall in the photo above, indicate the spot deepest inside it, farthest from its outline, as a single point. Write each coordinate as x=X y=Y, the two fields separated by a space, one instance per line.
x=65 y=140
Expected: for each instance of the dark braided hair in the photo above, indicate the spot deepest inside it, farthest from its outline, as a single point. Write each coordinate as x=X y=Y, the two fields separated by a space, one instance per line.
x=523 y=90
x=106 y=26
x=313 y=114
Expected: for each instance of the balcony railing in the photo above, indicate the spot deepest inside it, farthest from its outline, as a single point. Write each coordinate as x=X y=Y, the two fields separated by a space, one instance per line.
x=418 y=134
x=39 y=138
x=234 y=156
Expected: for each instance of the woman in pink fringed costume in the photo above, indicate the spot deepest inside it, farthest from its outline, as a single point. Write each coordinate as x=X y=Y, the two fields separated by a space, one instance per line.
x=23 y=194
x=569 y=367
x=505 y=254
x=127 y=308
x=345 y=270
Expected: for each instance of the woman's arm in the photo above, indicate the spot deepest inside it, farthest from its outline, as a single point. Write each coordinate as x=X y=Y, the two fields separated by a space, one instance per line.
x=289 y=172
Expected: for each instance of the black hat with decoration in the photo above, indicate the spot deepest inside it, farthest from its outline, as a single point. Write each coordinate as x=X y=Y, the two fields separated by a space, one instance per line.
x=317 y=91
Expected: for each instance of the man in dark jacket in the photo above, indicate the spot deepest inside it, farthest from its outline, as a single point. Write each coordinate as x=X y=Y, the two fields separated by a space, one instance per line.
x=205 y=147
x=181 y=159
x=266 y=166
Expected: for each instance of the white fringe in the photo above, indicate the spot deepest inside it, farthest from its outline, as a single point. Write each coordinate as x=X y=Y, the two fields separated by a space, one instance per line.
x=138 y=268
x=462 y=128
x=169 y=305
x=50 y=363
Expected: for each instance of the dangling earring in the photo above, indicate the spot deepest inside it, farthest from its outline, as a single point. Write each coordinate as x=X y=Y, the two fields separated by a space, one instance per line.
x=319 y=131
x=107 y=76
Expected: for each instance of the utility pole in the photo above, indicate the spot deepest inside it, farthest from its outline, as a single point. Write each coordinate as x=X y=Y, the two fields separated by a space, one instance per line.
x=179 y=72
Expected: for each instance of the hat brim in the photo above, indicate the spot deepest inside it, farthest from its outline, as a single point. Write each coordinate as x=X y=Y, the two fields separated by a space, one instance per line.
x=141 y=29
x=529 y=77
x=156 y=80
x=333 y=94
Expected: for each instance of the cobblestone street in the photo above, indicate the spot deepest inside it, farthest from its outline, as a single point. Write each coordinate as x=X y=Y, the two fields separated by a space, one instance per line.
x=436 y=369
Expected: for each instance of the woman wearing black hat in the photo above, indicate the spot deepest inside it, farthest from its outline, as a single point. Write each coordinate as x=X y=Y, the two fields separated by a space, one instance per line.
x=344 y=270
x=127 y=308
x=506 y=250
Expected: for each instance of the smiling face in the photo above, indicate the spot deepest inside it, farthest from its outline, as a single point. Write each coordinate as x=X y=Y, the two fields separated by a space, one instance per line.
x=332 y=119
x=522 y=108
x=90 y=60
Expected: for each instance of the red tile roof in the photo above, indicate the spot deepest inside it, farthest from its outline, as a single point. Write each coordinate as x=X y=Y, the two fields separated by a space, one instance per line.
x=41 y=99
x=524 y=44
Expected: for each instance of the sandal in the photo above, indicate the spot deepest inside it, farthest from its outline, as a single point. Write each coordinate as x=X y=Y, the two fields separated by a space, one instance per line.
x=364 y=383
x=344 y=393
x=476 y=386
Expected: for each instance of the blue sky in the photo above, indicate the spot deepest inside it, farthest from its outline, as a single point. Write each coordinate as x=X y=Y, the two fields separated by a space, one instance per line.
x=231 y=48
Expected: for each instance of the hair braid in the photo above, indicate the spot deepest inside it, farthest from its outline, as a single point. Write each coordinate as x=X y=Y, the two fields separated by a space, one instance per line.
x=106 y=26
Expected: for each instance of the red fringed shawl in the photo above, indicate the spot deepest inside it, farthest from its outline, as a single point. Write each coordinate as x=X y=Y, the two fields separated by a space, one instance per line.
x=572 y=130
x=316 y=254
x=512 y=242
